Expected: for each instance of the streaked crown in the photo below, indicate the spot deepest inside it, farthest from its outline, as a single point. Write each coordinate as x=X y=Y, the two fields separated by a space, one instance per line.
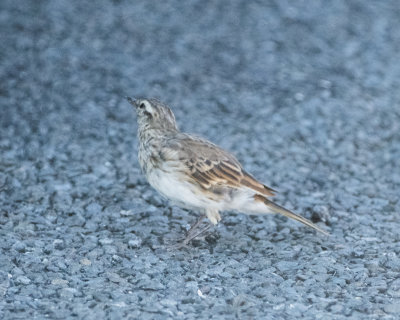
x=153 y=114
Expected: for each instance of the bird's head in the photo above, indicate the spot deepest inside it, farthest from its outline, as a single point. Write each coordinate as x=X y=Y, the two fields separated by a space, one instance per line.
x=153 y=114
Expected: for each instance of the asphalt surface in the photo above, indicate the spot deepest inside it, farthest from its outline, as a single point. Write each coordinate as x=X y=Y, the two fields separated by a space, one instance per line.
x=304 y=93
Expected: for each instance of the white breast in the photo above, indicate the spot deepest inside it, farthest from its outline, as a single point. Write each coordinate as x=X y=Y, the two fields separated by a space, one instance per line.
x=179 y=191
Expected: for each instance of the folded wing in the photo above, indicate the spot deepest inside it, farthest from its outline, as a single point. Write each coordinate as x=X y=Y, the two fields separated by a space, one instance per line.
x=210 y=166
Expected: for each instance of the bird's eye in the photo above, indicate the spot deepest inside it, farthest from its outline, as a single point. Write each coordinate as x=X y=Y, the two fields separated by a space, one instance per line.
x=142 y=106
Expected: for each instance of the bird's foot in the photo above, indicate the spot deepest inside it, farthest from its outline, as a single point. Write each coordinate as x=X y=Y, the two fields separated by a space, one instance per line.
x=195 y=231
x=196 y=225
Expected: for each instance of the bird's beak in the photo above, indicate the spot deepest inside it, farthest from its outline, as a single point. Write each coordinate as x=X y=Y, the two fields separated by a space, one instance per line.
x=132 y=101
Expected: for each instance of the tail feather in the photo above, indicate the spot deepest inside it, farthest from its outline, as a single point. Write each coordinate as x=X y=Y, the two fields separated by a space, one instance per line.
x=281 y=210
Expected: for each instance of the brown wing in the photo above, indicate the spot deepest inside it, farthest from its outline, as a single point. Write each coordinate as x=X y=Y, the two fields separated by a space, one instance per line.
x=214 y=173
x=211 y=166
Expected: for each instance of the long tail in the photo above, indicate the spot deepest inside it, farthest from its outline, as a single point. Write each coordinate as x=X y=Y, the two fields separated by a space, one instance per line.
x=281 y=210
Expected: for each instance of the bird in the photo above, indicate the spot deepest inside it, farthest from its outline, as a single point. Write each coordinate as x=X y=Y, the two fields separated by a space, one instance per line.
x=196 y=174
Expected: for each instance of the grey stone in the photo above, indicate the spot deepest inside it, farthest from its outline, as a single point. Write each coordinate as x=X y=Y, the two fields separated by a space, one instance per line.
x=393 y=307
x=135 y=241
x=23 y=280
x=303 y=95
x=58 y=244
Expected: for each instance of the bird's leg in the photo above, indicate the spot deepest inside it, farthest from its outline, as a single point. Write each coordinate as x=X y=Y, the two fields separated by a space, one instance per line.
x=195 y=225
x=192 y=235
x=196 y=230
x=213 y=217
x=193 y=232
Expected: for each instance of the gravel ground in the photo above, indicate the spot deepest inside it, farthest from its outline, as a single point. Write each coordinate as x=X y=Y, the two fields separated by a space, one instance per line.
x=305 y=93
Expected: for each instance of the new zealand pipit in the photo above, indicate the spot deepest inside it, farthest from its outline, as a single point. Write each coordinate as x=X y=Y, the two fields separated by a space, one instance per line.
x=196 y=174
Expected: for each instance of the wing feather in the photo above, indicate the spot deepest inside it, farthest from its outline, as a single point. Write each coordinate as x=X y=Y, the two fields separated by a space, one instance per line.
x=210 y=166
